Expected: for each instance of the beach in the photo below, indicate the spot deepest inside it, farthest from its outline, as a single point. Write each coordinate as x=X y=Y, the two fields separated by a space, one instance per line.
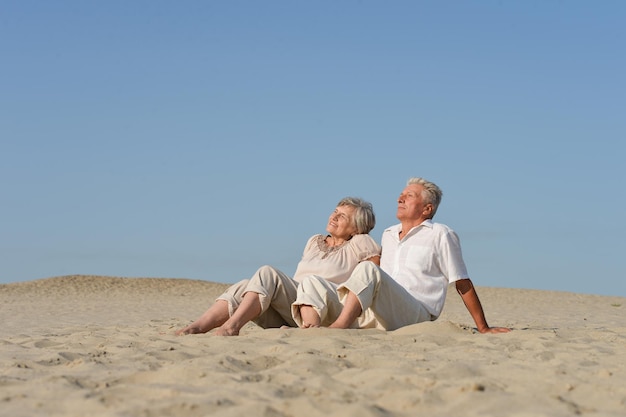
x=105 y=346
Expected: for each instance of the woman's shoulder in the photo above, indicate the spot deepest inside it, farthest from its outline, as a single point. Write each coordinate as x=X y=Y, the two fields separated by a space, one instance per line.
x=364 y=237
x=314 y=241
x=363 y=240
x=317 y=237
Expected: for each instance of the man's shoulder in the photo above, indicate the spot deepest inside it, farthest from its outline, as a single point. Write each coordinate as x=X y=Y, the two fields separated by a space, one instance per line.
x=440 y=227
x=445 y=233
x=429 y=224
x=392 y=228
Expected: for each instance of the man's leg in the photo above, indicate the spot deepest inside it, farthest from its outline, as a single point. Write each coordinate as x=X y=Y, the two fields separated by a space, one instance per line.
x=391 y=305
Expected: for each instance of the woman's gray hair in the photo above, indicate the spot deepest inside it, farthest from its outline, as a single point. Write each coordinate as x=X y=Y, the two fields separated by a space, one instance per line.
x=364 y=217
x=431 y=194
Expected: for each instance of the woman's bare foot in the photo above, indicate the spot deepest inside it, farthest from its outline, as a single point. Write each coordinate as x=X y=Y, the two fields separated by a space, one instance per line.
x=188 y=330
x=309 y=316
x=214 y=317
x=226 y=331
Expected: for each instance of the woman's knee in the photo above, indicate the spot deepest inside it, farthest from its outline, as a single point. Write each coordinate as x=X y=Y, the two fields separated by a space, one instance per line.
x=265 y=276
x=311 y=283
x=266 y=270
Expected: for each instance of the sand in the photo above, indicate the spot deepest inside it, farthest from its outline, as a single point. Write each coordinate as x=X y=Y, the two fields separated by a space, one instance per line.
x=105 y=346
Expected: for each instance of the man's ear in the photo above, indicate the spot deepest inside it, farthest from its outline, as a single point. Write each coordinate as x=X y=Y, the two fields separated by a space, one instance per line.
x=428 y=210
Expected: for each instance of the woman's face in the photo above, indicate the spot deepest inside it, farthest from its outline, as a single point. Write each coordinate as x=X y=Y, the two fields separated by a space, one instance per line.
x=341 y=222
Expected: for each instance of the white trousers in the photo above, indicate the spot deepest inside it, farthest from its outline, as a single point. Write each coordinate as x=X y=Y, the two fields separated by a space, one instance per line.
x=385 y=303
x=276 y=293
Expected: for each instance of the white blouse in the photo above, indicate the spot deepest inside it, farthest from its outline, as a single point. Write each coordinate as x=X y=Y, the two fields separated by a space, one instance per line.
x=335 y=263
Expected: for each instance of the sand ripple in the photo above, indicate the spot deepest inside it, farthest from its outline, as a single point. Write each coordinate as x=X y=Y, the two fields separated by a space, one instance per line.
x=104 y=346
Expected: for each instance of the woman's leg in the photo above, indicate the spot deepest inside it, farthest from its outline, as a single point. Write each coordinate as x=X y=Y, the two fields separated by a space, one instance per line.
x=317 y=303
x=350 y=312
x=250 y=308
x=309 y=316
x=224 y=307
x=267 y=300
x=214 y=317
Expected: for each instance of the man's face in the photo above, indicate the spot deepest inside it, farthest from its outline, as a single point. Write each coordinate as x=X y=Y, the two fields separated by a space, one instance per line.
x=411 y=205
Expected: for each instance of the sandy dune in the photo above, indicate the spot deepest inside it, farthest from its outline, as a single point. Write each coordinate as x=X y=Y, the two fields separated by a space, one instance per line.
x=104 y=346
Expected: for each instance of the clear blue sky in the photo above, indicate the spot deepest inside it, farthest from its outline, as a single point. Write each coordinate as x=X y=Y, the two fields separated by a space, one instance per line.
x=203 y=139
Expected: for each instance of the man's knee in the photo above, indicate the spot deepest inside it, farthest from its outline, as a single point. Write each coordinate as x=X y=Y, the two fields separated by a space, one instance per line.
x=363 y=267
x=366 y=271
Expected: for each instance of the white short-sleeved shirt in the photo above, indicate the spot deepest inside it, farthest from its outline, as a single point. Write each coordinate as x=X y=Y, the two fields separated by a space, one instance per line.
x=335 y=263
x=424 y=262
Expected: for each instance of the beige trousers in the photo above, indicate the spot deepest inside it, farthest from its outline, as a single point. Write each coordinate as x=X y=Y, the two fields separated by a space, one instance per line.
x=276 y=293
x=385 y=303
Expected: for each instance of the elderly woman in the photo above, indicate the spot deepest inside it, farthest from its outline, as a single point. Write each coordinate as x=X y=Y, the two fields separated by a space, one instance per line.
x=266 y=298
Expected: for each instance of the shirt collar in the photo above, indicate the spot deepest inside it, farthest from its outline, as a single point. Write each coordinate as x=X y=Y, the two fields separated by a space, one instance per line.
x=426 y=223
x=396 y=228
